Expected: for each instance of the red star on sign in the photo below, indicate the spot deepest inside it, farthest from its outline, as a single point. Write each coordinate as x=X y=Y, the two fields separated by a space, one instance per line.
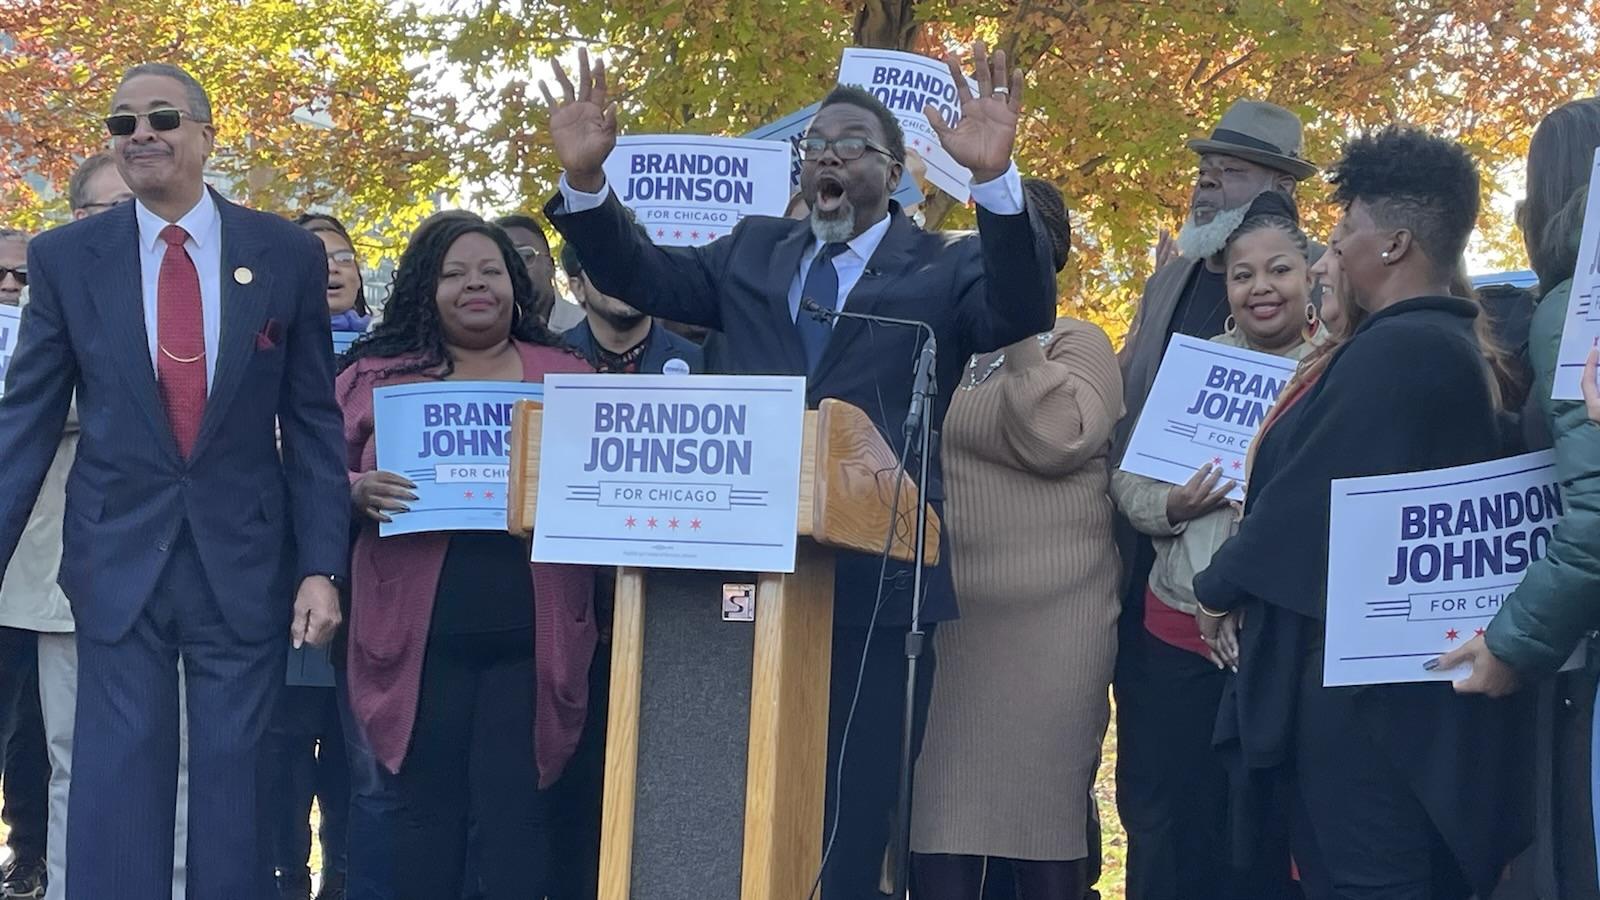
x=695 y=235
x=673 y=524
x=661 y=232
x=1216 y=461
x=695 y=524
x=488 y=495
x=630 y=522
x=1479 y=632
x=469 y=495
x=677 y=234
x=1452 y=635
x=1237 y=464
x=650 y=522
x=711 y=234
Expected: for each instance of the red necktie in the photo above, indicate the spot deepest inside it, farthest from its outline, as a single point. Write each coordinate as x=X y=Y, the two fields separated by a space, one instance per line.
x=180 y=340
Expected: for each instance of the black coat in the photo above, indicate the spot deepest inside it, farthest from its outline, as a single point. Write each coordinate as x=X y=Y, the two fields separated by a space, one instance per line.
x=663 y=347
x=979 y=291
x=1409 y=392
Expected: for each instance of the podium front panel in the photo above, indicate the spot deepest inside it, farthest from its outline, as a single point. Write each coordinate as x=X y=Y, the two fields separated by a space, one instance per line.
x=694 y=731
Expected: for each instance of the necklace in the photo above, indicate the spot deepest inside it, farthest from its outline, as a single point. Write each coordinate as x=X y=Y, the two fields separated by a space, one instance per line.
x=975 y=378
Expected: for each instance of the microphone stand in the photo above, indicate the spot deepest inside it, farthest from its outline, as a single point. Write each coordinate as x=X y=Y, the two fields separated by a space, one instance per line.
x=918 y=426
x=920 y=420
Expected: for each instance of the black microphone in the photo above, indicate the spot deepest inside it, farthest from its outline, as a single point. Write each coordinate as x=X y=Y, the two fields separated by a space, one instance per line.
x=922 y=375
x=921 y=384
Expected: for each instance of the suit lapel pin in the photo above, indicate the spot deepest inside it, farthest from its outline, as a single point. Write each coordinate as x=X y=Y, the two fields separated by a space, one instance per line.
x=243 y=275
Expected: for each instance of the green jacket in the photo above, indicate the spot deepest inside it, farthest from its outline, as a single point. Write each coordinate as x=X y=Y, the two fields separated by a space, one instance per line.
x=1543 y=620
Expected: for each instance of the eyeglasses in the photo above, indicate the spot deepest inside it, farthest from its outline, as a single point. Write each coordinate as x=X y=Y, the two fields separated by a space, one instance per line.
x=109 y=204
x=342 y=257
x=20 y=273
x=846 y=148
x=529 y=253
x=124 y=124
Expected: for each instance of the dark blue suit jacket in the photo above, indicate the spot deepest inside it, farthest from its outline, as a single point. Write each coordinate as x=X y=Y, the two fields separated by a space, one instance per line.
x=260 y=519
x=980 y=291
x=664 y=346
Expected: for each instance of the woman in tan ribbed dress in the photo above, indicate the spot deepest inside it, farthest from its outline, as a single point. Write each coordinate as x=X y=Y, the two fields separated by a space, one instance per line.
x=1020 y=704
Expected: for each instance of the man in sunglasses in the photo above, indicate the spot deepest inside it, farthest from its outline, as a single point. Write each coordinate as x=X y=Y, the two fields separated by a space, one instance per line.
x=189 y=328
x=855 y=251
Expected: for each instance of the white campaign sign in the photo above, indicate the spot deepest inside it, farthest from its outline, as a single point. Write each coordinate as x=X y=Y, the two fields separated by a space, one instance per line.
x=688 y=190
x=906 y=82
x=1205 y=407
x=10 y=327
x=1419 y=563
x=670 y=472
x=1581 y=331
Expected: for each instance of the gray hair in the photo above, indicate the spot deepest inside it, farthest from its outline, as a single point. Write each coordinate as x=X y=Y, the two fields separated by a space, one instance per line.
x=199 y=100
x=13 y=234
x=78 y=186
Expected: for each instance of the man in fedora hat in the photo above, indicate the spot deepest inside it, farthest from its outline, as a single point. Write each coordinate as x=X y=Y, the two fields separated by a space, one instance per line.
x=1176 y=847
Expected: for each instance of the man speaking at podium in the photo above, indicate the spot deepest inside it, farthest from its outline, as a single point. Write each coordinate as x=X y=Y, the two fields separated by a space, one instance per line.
x=856 y=253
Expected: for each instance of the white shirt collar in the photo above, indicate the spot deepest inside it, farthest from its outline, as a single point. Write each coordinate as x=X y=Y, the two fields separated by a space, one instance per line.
x=198 y=221
x=866 y=243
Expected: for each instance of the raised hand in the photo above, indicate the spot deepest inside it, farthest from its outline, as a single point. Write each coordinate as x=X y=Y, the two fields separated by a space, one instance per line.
x=583 y=123
x=983 y=139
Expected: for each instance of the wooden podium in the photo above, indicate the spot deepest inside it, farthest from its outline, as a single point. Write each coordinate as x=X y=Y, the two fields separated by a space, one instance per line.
x=717 y=735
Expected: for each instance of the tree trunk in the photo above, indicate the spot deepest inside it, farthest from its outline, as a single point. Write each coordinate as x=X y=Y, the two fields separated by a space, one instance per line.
x=887 y=24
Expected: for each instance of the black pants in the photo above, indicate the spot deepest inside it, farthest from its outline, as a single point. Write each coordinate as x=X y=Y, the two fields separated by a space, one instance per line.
x=865 y=805
x=27 y=766
x=574 y=801
x=1176 y=812
x=304 y=758
x=471 y=759
x=941 y=876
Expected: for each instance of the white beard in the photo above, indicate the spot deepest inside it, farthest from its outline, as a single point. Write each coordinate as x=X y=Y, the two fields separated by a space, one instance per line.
x=838 y=227
x=1196 y=241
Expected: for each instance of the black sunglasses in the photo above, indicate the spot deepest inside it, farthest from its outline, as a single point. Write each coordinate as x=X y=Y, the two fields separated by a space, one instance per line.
x=846 y=148
x=20 y=274
x=124 y=124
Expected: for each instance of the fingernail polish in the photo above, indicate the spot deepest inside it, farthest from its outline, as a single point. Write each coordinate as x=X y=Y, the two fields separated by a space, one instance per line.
x=1430 y=665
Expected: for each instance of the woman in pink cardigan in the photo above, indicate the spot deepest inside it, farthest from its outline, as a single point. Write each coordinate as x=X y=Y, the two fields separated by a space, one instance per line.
x=468 y=666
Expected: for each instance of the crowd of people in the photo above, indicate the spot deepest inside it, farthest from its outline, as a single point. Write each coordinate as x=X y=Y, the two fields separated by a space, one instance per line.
x=192 y=498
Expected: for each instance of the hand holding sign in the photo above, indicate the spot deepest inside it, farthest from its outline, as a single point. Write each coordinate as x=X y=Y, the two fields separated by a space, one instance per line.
x=1204 y=493
x=378 y=493
x=1488 y=675
x=983 y=139
x=583 y=124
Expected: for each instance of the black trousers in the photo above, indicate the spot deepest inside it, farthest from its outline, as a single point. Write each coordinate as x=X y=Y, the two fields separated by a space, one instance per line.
x=870 y=784
x=574 y=801
x=471 y=760
x=304 y=758
x=1176 y=808
x=27 y=767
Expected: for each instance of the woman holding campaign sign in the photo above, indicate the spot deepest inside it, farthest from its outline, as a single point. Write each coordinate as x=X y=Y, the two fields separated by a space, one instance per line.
x=1398 y=791
x=468 y=666
x=1269 y=291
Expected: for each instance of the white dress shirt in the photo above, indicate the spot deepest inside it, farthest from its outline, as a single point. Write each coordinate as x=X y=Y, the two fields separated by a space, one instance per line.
x=1002 y=196
x=204 y=225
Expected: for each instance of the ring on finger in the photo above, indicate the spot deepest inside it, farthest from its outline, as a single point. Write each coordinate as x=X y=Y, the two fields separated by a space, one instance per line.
x=1002 y=89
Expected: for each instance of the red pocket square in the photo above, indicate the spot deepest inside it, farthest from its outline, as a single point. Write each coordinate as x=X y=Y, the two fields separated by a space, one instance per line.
x=267 y=337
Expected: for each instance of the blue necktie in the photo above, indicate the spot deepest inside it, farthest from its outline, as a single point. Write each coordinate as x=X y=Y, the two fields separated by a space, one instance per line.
x=821 y=285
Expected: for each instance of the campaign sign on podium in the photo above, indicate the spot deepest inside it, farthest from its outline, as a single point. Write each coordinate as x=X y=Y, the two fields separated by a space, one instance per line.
x=453 y=440
x=1206 y=405
x=670 y=472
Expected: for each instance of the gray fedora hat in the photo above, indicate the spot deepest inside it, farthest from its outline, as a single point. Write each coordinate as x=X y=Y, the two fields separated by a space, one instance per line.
x=1262 y=133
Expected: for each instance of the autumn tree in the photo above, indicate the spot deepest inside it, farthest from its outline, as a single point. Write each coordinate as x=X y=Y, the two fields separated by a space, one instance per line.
x=314 y=106
x=1115 y=86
